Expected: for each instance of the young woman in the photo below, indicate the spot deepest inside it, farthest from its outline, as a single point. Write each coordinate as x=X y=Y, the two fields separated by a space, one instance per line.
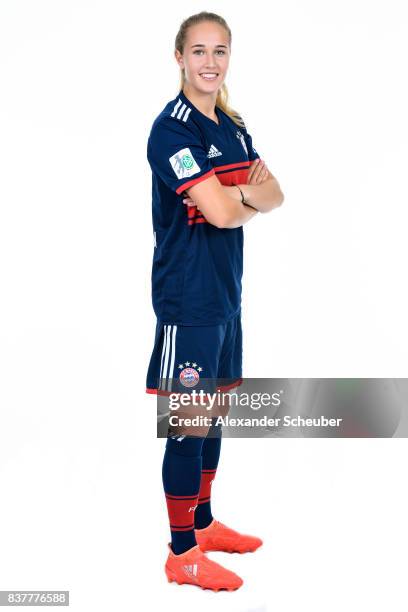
x=207 y=181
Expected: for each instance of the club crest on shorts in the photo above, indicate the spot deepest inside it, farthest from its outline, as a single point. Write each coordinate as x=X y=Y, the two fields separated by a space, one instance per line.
x=189 y=375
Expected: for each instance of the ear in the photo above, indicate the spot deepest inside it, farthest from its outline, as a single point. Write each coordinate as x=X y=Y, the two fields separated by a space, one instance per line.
x=179 y=58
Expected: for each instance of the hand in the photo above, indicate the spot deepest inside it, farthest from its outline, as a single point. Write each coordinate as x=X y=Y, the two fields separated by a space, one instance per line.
x=189 y=202
x=258 y=172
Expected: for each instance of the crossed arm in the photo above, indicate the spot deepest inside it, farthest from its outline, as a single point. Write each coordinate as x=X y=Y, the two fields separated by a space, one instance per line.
x=221 y=205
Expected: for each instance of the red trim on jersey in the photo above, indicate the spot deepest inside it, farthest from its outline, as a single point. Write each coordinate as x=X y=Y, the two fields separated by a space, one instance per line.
x=157 y=391
x=194 y=181
x=244 y=165
x=230 y=166
x=194 y=216
x=228 y=174
x=193 y=212
x=197 y=220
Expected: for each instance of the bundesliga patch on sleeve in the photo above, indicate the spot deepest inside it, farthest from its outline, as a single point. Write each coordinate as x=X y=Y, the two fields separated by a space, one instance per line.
x=184 y=164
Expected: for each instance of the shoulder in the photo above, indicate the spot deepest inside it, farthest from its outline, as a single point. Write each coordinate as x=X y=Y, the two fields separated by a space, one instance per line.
x=241 y=121
x=175 y=119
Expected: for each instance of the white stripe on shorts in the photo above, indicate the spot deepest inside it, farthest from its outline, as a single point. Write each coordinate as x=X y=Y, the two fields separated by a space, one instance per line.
x=162 y=355
x=173 y=356
x=166 y=356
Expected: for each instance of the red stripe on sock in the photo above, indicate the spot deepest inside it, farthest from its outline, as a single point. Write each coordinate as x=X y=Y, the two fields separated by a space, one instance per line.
x=181 y=509
x=207 y=476
x=188 y=528
x=168 y=496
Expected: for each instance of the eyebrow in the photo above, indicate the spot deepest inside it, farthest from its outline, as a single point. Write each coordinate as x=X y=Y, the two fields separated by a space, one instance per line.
x=201 y=45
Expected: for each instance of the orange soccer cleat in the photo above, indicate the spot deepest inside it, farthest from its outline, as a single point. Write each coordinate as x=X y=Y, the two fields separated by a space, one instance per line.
x=194 y=567
x=218 y=536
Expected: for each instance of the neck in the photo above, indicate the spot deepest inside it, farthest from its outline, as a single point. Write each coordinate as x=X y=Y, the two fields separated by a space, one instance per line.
x=204 y=102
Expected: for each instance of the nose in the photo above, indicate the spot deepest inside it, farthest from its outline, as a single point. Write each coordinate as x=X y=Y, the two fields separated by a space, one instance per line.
x=211 y=68
x=209 y=61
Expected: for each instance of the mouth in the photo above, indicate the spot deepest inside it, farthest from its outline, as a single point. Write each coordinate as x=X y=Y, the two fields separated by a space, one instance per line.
x=209 y=76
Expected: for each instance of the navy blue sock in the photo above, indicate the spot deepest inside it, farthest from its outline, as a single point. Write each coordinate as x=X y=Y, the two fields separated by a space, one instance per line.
x=181 y=474
x=210 y=456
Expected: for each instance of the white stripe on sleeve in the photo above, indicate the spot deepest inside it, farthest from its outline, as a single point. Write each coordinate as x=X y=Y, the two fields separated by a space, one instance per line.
x=187 y=114
x=181 y=111
x=176 y=107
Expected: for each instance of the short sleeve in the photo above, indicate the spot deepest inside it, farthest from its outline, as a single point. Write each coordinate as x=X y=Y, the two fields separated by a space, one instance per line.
x=175 y=152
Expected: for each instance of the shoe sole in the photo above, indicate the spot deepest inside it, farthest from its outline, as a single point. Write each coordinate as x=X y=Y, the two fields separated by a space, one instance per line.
x=240 y=552
x=172 y=578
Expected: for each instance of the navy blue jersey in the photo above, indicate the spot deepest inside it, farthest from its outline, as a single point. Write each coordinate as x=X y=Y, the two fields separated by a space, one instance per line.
x=197 y=267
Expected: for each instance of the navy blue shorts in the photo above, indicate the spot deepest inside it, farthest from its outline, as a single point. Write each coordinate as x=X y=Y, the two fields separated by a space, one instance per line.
x=186 y=357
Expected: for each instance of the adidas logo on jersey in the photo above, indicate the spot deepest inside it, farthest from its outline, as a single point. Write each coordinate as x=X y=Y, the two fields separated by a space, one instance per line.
x=213 y=152
x=191 y=570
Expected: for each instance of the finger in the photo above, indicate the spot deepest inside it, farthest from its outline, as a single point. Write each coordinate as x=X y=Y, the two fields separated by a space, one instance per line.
x=252 y=168
x=255 y=179
x=264 y=173
x=258 y=169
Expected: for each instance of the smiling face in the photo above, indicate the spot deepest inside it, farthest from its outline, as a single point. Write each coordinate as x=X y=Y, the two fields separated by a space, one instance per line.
x=205 y=56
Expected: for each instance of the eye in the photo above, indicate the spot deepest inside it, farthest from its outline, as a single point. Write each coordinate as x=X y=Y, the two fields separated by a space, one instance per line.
x=201 y=51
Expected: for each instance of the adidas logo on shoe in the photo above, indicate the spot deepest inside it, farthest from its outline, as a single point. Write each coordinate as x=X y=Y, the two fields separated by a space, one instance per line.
x=194 y=567
x=191 y=570
x=213 y=152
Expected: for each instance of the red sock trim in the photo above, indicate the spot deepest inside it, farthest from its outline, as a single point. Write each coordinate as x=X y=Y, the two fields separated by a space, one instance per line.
x=181 y=510
x=207 y=476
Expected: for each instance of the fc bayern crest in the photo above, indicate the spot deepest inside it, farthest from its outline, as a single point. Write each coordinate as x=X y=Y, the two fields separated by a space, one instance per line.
x=189 y=375
x=240 y=136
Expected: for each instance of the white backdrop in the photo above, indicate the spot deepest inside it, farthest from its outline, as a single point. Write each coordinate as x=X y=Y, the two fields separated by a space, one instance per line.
x=322 y=88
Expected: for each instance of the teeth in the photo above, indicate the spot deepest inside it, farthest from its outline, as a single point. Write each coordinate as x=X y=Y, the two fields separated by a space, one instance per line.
x=209 y=75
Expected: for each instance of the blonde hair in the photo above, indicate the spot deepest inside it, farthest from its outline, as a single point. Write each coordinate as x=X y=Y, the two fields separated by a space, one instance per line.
x=222 y=95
